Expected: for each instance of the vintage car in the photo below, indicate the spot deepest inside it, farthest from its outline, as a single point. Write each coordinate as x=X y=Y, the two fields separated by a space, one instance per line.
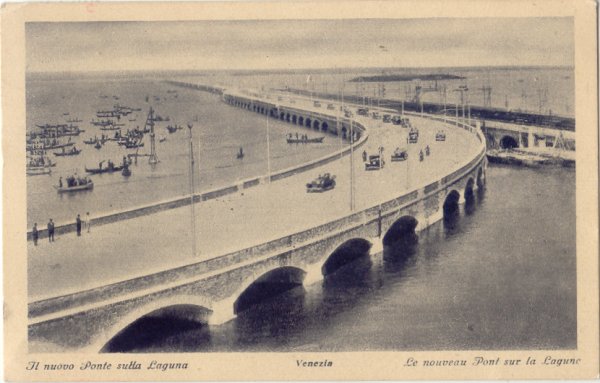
x=440 y=136
x=413 y=136
x=387 y=118
x=330 y=106
x=363 y=111
x=317 y=104
x=375 y=115
x=399 y=155
x=375 y=162
x=323 y=183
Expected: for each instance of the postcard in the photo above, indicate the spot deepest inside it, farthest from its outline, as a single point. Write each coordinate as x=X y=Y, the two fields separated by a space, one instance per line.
x=344 y=190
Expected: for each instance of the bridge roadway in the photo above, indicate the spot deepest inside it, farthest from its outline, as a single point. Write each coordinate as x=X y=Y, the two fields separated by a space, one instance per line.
x=162 y=241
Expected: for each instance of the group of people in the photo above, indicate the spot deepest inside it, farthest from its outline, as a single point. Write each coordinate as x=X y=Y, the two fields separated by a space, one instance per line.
x=73 y=150
x=79 y=225
x=303 y=137
x=427 y=151
x=74 y=181
x=365 y=155
x=110 y=165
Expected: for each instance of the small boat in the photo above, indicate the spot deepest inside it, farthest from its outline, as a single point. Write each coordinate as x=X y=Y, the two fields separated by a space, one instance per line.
x=91 y=141
x=38 y=170
x=322 y=183
x=399 y=155
x=76 y=119
x=305 y=140
x=134 y=145
x=375 y=162
x=171 y=129
x=89 y=185
x=162 y=139
x=98 y=145
x=509 y=157
x=56 y=145
x=440 y=136
x=108 y=169
x=72 y=152
x=240 y=154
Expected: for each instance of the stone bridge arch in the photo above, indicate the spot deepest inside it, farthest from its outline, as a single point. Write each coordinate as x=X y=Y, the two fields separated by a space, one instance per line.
x=343 y=254
x=451 y=202
x=269 y=284
x=508 y=142
x=403 y=229
x=202 y=305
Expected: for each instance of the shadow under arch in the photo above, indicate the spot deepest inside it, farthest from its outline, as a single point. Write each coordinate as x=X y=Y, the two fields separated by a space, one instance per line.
x=347 y=252
x=154 y=327
x=268 y=285
x=451 y=210
x=402 y=230
x=508 y=142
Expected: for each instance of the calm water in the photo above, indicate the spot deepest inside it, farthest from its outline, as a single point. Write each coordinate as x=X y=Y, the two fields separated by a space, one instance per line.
x=219 y=131
x=499 y=275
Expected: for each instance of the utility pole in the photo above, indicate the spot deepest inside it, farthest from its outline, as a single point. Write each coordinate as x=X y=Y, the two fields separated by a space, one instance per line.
x=351 y=167
x=268 y=152
x=153 y=159
x=193 y=214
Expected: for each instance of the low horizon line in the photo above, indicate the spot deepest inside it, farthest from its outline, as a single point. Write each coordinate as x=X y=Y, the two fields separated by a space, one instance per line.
x=288 y=70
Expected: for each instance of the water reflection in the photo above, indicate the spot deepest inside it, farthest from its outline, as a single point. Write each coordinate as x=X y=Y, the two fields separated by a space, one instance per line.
x=400 y=256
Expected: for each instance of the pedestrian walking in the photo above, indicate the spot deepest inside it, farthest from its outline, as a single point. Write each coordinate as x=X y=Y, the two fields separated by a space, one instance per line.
x=78 y=225
x=35 y=234
x=50 y=231
x=88 y=222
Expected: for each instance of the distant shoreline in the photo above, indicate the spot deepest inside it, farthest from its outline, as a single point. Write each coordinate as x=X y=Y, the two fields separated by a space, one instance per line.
x=274 y=71
x=407 y=77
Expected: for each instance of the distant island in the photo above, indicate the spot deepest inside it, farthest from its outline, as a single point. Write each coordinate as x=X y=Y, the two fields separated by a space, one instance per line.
x=406 y=77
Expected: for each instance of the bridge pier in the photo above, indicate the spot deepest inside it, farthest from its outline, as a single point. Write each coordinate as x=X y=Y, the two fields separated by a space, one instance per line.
x=426 y=221
x=313 y=274
x=222 y=312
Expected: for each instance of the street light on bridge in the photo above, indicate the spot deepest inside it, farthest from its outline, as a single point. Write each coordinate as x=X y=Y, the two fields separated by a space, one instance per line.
x=193 y=214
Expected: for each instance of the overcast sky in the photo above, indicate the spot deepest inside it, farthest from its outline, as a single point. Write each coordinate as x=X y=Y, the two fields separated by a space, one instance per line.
x=291 y=44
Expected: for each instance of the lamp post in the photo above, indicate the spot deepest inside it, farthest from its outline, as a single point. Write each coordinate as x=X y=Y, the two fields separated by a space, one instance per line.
x=193 y=214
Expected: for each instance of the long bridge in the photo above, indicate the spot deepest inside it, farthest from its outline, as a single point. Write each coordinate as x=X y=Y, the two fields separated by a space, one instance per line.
x=265 y=232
